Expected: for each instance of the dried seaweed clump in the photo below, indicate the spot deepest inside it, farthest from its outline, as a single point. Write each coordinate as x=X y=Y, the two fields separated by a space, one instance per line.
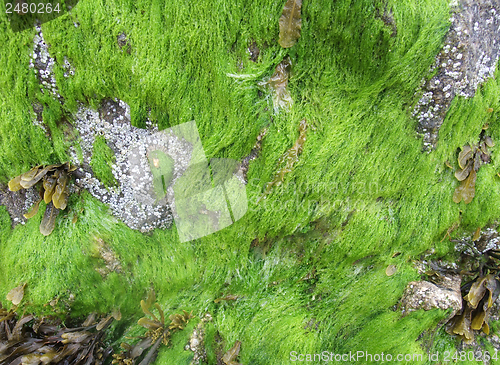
x=480 y=259
x=33 y=341
x=476 y=309
x=290 y=23
x=230 y=356
x=53 y=181
x=290 y=158
x=158 y=333
x=278 y=84
x=16 y=295
x=470 y=160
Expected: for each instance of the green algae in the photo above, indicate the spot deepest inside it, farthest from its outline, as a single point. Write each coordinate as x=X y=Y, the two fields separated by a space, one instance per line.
x=290 y=158
x=102 y=161
x=361 y=170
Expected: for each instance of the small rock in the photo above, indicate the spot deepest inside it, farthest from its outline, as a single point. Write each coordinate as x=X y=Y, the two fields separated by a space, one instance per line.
x=426 y=295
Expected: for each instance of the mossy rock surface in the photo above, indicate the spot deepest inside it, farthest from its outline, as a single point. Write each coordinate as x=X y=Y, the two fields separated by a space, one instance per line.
x=307 y=264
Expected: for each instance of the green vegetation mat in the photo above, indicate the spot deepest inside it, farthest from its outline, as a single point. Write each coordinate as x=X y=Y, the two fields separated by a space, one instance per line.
x=307 y=263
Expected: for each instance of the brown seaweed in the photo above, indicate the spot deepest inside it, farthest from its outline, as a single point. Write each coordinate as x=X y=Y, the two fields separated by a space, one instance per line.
x=15 y=184
x=29 y=175
x=462 y=326
x=477 y=234
x=390 y=270
x=16 y=294
x=158 y=332
x=60 y=196
x=278 y=84
x=29 y=182
x=49 y=184
x=34 y=210
x=461 y=174
x=290 y=23
x=49 y=219
x=464 y=156
x=466 y=190
x=43 y=342
x=178 y=321
x=476 y=292
x=470 y=160
x=290 y=158
x=231 y=355
x=489 y=142
x=227 y=297
x=478 y=303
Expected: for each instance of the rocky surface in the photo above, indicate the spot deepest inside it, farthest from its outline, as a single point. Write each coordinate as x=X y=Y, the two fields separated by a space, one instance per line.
x=196 y=342
x=489 y=240
x=468 y=58
x=17 y=203
x=132 y=199
x=426 y=295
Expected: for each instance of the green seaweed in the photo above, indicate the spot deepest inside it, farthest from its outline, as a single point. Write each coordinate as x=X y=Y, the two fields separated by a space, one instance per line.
x=102 y=161
x=290 y=23
x=290 y=158
x=361 y=186
x=162 y=168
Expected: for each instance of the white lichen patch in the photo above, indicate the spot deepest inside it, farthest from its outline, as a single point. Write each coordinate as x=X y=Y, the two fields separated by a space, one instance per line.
x=196 y=341
x=130 y=200
x=42 y=64
x=468 y=58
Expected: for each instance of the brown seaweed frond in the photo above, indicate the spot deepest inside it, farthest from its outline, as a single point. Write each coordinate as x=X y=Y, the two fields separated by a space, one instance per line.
x=32 y=341
x=54 y=191
x=230 y=356
x=278 y=84
x=290 y=23
x=158 y=333
x=470 y=160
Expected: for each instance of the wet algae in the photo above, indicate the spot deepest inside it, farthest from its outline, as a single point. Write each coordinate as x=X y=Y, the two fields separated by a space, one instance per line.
x=360 y=191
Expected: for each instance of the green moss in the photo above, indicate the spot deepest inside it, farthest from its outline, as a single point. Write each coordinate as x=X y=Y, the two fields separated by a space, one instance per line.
x=175 y=353
x=361 y=191
x=4 y=224
x=102 y=161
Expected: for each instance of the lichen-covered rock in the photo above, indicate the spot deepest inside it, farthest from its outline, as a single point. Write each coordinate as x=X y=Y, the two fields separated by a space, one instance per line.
x=426 y=295
x=468 y=58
